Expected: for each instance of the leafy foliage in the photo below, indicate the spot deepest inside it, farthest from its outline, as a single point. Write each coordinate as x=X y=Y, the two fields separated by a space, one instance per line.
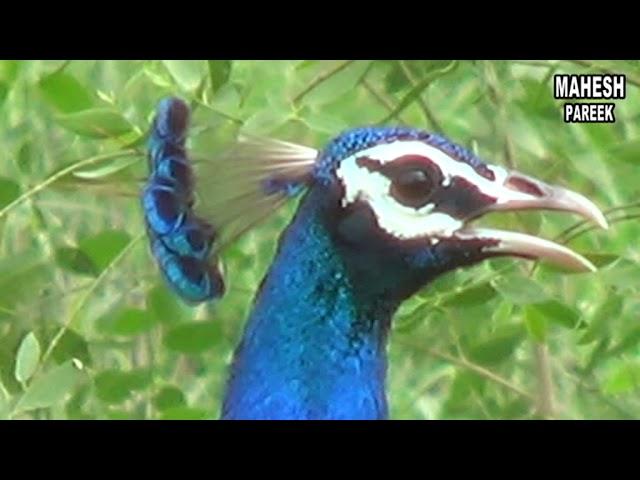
x=88 y=330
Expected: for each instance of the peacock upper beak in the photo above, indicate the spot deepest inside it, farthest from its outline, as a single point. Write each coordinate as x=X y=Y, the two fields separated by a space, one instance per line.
x=515 y=191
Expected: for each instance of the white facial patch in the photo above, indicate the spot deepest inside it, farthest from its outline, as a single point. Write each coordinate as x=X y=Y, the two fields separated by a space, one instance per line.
x=403 y=221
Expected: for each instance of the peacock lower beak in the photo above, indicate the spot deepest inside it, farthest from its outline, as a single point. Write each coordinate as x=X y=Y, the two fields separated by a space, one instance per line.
x=516 y=191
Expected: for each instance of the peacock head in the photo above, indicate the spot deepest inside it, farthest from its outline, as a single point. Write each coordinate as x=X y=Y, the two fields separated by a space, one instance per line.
x=407 y=199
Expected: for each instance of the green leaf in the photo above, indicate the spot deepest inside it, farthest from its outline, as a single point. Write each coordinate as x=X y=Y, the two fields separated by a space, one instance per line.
x=105 y=169
x=24 y=160
x=27 y=358
x=623 y=274
x=128 y=322
x=502 y=313
x=418 y=316
x=169 y=397
x=601 y=259
x=184 y=413
x=9 y=70
x=419 y=87
x=537 y=323
x=165 y=306
x=120 y=415
x=610 y=308
x=104 y=247
x=468 y=297
x=558 y=313
x=66 y=94
x=76 y=261
x=4 y=403
x=625 y=378
x=320 y=122
x=96 y=123
x=71 y=345
x=187 y=73
x=115 y=386
x=626 y=152
x=4 y=92
x=519 y=290
x=396 y=79
x=51 y=388
x=193 y=338
x=219 y=71
x=629 y=341
x=499 y=347
x=9 y=191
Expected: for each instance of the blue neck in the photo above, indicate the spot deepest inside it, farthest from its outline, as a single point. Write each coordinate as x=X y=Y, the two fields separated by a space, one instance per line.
x=314 y=346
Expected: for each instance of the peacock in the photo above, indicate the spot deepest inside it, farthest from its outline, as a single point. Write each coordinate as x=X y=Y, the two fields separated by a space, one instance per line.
x=383 y=211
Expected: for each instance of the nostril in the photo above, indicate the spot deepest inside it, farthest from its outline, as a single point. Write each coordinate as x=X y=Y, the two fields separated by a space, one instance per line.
x=524 y=185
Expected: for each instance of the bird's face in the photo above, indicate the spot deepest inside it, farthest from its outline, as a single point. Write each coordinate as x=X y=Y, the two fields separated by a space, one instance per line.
x=419 y=194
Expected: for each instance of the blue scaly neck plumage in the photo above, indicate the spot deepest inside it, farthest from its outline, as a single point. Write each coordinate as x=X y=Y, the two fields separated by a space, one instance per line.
x=313 y=347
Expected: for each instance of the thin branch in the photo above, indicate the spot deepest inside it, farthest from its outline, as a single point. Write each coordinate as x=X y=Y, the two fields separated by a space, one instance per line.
x=495 y=95
x=545 y=400
x=589 y=228
x=382 y=99
x=61 y=173
x=478 y=369
x=417 y=89
x=575 y=226
x=74 y=314
x=320 y=79
x=430 y=117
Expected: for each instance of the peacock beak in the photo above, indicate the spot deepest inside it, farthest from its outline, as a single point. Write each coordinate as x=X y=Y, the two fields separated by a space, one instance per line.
x=514 y=192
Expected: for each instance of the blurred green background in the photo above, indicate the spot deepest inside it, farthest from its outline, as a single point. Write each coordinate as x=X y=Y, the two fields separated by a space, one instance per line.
x=88 y=330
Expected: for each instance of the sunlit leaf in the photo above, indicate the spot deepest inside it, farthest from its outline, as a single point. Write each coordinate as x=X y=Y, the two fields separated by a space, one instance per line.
x=519 y=290
x=187 y=73
x=4 y=403
x=96 y=123
x=105 y=169
x=50 y=388
x=65 y=93
x=625 y=378
x=27 y=358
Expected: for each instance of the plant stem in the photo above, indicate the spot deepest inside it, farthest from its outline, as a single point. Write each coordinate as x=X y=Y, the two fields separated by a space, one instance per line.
x=320 y=79
x=478 y=369
x=545 y=401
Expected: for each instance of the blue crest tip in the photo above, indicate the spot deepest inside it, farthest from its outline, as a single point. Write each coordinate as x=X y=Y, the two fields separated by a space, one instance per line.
x=172 y=119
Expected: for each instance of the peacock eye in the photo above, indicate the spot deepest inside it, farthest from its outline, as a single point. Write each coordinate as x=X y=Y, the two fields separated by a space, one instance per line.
x=412 y=187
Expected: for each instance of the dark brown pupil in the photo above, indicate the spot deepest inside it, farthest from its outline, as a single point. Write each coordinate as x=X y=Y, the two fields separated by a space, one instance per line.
x=412 y=187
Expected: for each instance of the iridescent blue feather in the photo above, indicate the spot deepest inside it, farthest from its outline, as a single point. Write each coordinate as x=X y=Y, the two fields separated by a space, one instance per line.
x=180 y=241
